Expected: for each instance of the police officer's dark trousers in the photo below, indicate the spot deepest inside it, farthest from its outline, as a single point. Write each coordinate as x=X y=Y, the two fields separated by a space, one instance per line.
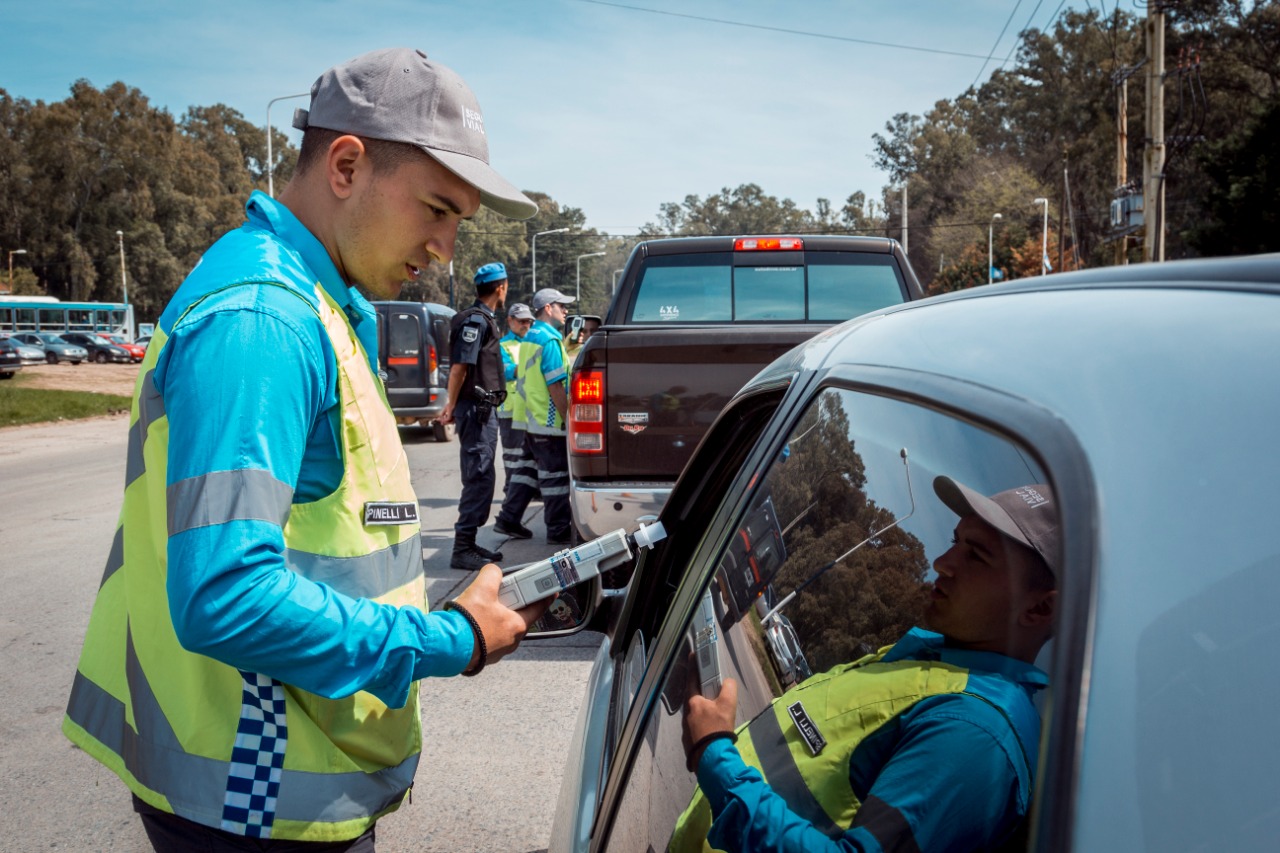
x=551 y=453
x=521 y=474
x=477 y=446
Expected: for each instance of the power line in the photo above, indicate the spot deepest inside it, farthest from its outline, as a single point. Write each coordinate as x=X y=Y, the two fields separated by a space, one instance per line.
x=997 y=44
x=787 y=31
x=1025 y=27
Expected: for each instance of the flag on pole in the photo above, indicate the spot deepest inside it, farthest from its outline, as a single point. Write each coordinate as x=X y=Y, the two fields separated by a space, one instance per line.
x=996 y=274
x=1047 y=266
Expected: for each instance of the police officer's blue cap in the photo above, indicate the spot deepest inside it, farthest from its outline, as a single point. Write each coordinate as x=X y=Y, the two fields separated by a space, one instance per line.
x=490 y=273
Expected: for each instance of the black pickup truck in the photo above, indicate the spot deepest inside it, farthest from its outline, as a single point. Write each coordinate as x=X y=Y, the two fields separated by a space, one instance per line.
x=693 y=319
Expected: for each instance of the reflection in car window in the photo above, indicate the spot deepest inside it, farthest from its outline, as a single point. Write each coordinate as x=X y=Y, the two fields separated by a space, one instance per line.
x=831 y=561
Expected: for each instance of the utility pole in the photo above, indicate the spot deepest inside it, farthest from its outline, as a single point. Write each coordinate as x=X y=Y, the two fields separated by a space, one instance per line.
x=1153 y=156
x=1122 y=159
x=1062 y=217
x=905 y=244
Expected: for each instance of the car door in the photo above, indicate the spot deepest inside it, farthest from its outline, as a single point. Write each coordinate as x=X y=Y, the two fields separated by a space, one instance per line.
x=835 y=505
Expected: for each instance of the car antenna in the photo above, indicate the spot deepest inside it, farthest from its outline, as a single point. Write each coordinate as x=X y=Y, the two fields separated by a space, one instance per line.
x=822 y=570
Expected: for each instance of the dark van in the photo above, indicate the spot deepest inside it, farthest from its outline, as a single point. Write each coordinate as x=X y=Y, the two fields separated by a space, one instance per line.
x=413 y=352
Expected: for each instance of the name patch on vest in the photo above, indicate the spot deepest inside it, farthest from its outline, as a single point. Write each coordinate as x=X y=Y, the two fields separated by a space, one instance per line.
x=378 y=513
x=808 y=730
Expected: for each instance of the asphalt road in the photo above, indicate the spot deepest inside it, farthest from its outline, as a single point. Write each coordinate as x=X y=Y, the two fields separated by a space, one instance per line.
x=492 y=754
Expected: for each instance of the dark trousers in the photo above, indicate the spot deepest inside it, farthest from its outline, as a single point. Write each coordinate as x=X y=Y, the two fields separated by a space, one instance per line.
x=551 y=454
x=521 y=473
x=169 y=833
x=477 y=446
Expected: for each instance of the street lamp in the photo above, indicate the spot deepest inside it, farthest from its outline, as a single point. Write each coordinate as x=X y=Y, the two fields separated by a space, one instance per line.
x=1044 y=235
x=11 y=254
x=271 y=187
x=990 y=233
x=534 y=252
x=124 y=285
x=577 y=282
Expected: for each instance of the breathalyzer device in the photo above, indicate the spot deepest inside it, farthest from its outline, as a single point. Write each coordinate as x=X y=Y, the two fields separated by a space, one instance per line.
x=706 y=647
x=574 y=565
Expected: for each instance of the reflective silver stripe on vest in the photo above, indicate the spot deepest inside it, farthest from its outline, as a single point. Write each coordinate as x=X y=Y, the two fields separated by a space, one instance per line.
x=156 y=759
x=368 y=576
x=150 y=410
x=222 y=496
x=783 y=776
x=115 y=559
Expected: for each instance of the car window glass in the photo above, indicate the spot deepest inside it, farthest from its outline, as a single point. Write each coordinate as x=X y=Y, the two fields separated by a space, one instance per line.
x=831 y=560
x=844 y=285
x=685 y=289
x=768 y=293
x=406 y=336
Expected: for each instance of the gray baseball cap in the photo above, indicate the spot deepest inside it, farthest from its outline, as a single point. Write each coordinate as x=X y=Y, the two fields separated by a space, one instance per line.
x=520 y=311
x=399 y=95
x=548 y=295
x=1027 y=514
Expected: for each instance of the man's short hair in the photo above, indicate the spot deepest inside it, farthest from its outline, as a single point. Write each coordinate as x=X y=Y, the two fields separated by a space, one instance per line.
x=385 y=156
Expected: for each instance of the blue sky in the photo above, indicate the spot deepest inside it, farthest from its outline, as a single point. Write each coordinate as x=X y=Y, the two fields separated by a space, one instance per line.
x=604 y=106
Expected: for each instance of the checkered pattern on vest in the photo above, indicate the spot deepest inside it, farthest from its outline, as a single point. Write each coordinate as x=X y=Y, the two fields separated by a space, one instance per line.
x=249 y=807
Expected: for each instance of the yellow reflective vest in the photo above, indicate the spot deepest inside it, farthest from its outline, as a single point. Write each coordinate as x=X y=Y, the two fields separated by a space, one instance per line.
x=172 y=724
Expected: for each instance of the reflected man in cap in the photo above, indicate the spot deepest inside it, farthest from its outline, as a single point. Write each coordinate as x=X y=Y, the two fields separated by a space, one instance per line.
x=476 y=388
x=250 y=668
x=929 y=744
x=542 y=379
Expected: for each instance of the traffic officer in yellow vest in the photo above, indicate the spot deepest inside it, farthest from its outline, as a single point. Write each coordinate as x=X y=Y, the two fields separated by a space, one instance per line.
x=929 y=744
x=521 y=472
x=250 y=666
x=476 y=389
x=542 y=381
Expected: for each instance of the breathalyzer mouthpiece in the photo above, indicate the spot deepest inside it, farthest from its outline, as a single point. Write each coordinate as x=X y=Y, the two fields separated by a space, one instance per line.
x=648 y=536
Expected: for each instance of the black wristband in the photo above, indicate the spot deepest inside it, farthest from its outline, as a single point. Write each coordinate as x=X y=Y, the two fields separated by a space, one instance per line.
x=703 y=741
x=475 y=627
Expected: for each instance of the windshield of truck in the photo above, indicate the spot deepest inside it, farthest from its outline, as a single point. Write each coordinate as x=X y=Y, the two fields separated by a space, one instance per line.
x=820 y=287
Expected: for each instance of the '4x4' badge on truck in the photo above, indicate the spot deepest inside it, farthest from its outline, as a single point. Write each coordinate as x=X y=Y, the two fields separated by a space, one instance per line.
x=633 y=422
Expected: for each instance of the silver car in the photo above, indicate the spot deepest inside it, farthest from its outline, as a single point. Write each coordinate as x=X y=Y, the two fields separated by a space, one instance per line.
x=1144 y=397
x=53 y=347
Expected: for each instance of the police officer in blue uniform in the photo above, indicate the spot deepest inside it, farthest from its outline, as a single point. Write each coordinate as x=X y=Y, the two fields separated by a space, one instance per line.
x=476 y=388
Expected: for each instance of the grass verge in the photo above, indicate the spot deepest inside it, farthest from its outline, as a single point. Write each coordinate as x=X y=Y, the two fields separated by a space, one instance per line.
x=19 y=405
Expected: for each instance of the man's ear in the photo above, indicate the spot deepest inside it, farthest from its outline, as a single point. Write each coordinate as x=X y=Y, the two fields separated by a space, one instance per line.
x=345 y=163
x=1041 y=610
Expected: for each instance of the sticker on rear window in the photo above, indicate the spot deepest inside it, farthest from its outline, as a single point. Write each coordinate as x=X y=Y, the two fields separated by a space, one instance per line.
x=669 y=312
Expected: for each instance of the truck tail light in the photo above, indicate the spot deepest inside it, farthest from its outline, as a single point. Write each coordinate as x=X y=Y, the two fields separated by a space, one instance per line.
x=432 y=361
x=586 y=412
x=768 y=244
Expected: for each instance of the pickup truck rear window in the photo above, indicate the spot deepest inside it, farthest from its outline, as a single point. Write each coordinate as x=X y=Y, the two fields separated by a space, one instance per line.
x=711 y=288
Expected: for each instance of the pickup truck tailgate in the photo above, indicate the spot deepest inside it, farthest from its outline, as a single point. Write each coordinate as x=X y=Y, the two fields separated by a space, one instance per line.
x=650 y=430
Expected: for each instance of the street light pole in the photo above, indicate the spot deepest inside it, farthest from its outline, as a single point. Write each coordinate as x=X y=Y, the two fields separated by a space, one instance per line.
x=271 y=187
x=124 y=284
x=1044 y=235
x=11 y=254
x=534 y=252
x=577 y=282
x=990 y=233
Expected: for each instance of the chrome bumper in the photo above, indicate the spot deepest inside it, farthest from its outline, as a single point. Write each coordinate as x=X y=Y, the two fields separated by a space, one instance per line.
x=598 y=510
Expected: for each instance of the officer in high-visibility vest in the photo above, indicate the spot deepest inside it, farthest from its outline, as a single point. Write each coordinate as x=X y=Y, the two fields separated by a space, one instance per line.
x=476 y=390
x=521 y=472
x=250 y=666
x=928 y=745
x=542 y=380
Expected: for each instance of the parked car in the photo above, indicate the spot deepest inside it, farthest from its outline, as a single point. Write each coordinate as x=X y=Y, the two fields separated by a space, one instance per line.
x=693 y=319
x=143 y=341
x=100 y=349
x=27 y=353
x=10 y=359
x=54 y=347
x=413 y=353
x=136 y=351
x=1143 y=397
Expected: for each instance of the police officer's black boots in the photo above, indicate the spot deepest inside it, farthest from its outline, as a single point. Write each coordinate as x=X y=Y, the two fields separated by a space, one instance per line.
x=470 y=557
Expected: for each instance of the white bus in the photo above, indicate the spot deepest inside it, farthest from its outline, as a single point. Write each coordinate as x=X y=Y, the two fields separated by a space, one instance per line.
x=47 y=314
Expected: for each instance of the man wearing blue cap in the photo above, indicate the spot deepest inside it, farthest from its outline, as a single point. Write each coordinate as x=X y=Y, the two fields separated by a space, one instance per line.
x=476 y=387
